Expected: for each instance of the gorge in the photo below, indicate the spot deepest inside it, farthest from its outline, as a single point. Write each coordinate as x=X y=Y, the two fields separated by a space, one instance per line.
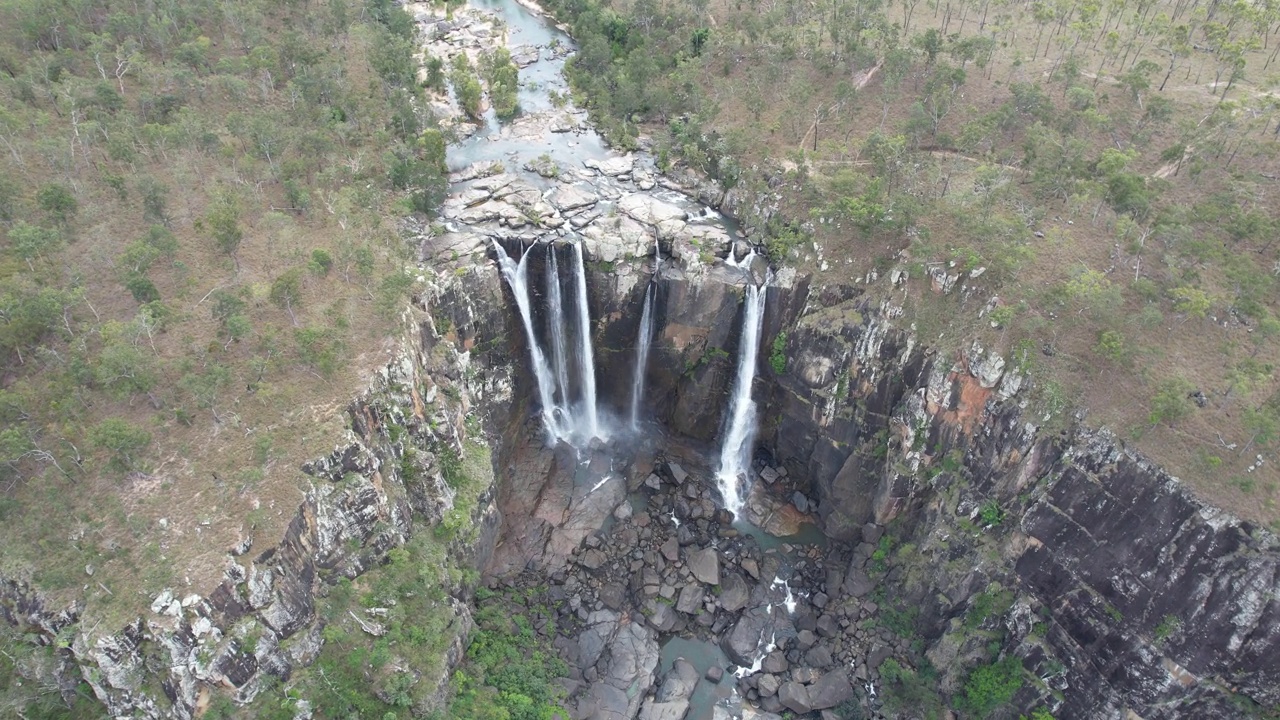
x=716 y=524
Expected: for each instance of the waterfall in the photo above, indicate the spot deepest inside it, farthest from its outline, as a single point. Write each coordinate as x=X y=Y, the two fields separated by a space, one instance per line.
x=586 y=361
x=555 y=320
x=565 y=421
x=642 y=356
x=735 y=453
x=516 y=275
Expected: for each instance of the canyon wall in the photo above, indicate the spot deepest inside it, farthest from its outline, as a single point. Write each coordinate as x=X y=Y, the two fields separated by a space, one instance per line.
x=1127 y=595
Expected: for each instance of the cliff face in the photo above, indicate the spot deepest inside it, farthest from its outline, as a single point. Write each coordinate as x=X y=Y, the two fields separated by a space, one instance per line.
x=383 y=482
x=1129 y=595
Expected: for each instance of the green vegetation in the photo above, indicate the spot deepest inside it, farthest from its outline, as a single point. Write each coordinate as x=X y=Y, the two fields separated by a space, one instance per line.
x=1170 y=625
x=466 y=87
x=778 y=354
x=503 y=79
x=198 y=243
x=990 y=513
x=408 y=600
x=990 y=686
x=510 y=671
x=912 y=690
x=987 y=607
x=27 y=685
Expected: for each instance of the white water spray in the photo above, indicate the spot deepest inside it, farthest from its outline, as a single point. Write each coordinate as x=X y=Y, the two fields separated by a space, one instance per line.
x=739 y=439
x=565 y=420
x=790 y=601
x=517 y=276
x=642 y=356
x=586 y=360
x=556 y=321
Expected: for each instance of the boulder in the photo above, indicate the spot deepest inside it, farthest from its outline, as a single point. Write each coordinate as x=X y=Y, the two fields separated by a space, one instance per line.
x=830 y=690
x=768 y=685
x=819 y=656
x=661 y=616
x=679 y=682
x=690 y=599
x=653 y=710
x=775 y=662
x=794 y=697
x=705 y=565
x=734 y=592
x=743 y=639
x=670 y=549
x=567 y=198
x=649 y=210
x=857 y=583
x=611 y=166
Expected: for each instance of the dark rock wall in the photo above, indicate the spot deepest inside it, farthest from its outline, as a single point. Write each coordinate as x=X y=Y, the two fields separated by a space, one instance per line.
x=1147 y=600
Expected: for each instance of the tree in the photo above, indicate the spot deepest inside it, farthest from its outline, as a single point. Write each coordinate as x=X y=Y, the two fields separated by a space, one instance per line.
x=1191 y=301
x=222 y=222
x=122 y=441
x=57 y=202
x=32 y=242
x=466 y=88
x=940 y=92
x=286 y=291
x=1111 y=345
x=123 y=370
x=504 y=79
x=1170 y=404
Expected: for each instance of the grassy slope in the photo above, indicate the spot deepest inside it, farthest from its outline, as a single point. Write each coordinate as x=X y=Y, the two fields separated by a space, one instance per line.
x=282 y=129
x=1151 y=280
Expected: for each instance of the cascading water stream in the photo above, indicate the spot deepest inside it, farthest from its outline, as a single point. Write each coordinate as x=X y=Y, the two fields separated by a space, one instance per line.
x=556 y=322
x=642 y=356
x=574 y=423
x=735 y=452
x=516 y=275
x=586 y=360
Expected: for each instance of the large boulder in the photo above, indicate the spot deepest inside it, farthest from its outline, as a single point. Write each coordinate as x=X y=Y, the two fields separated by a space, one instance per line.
x=734 y=592
x=795 y=697
x=679 y=682
x=625 y=655
x=705 y=565
x=743 y=640
x=654 y=710
x=567 y=198
x=690 y=600
x=830 y=690
x=649 y=210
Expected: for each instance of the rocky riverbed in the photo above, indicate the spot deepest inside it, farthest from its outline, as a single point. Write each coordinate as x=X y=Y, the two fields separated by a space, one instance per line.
x=795 y=622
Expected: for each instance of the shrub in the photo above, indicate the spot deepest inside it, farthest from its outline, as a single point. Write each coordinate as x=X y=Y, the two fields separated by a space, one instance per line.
x=991 y=513
x=990 y=686
x=142 y=289
x=1170 y=403
x=466 y=87
x=122 y=441
x=778 y=357
x=57 y=202
x=1111 y=345
x=321 y=262
x=503 y=78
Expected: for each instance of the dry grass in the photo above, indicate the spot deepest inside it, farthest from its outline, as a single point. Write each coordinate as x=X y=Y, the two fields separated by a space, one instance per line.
x=214 y=473
x=769 y=103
